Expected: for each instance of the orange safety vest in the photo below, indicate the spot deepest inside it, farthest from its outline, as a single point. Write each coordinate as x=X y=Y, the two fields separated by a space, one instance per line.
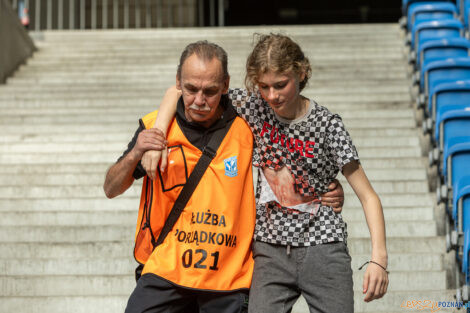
x=209 y=248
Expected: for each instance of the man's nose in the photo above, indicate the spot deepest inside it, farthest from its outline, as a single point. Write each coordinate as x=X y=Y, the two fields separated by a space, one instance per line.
x=199 y=99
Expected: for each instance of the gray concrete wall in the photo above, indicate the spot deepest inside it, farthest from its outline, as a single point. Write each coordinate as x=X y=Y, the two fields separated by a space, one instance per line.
x=15 y=44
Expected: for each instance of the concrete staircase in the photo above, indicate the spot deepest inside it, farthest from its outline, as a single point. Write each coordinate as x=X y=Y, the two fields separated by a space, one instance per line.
x=68 y=114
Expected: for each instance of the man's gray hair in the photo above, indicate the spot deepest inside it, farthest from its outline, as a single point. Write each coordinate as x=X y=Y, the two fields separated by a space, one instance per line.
x=206 y=51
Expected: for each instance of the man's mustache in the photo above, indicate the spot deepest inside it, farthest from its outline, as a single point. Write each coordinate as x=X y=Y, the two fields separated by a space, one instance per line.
x=204 y=108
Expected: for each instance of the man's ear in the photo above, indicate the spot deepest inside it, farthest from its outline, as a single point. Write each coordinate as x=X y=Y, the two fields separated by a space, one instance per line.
x=178 y=82
x=226 y=84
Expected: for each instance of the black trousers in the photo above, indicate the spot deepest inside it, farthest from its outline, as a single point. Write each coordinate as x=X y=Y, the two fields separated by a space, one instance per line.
x=155 y=295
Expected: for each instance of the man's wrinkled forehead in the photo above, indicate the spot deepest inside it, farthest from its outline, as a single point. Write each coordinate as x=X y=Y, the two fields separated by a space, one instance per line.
x=196 y=67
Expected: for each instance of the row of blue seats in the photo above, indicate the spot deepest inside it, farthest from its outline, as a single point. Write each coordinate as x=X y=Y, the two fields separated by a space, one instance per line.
x=439 y=54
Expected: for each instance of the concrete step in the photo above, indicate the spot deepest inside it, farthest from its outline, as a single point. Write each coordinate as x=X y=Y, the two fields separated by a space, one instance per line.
x=100 y=167
x=79 y=233
x=395 y=229
x=100 y=157
x=74 y=250
x=48 y=168
x=125 y=114
x=38 y=69
x=112 y=74
x=130 y=127
x=147 y=104
x=55 y=233
x=359 y=133
x=124 y=248
x=390 y=162
x=398 y=174
x=397 y=301
x=236 y=44
x=56 y=304
x=356 y=63
x=407 y=200
x=153 y=57
x=397 y=245
x=396 y=147
x=41 y=106
x=58 y=147
x=391 y=70
x=98 y=86
x=71 y=218
x=123 y=285
x=125 y=266
x=111 y=304
x=130 y=201
x=129 y=217
x=157 y=92
x=390 y=213
x=377 y=169
x=17 y=140
x=55 y=190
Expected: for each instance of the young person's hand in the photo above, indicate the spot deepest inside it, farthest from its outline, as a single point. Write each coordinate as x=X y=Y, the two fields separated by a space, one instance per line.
x=165 y=115
x=375 y=282
x=335 y=197
x=150 y=161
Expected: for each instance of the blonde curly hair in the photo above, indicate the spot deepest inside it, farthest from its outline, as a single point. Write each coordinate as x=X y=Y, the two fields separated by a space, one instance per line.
x=277 y=53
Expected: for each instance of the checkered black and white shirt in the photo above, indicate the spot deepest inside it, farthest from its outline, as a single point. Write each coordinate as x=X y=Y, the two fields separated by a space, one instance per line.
x=314 y=148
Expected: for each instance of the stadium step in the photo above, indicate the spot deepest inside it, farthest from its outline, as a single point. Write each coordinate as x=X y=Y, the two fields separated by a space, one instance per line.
x=69 y=113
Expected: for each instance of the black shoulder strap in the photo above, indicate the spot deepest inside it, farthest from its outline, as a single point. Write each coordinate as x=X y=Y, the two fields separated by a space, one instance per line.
x=209 y=152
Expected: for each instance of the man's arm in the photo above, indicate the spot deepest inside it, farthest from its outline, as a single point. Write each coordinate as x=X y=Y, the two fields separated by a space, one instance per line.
x=334 y=197
x=119 y=177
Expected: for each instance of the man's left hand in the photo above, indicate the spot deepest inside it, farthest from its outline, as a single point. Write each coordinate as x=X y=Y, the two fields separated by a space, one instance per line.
x=334 y=197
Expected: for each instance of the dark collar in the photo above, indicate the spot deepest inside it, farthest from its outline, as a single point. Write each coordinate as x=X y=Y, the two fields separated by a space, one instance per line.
x=198 y=135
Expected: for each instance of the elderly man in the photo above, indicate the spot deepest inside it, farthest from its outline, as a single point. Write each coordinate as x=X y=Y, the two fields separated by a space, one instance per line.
x=205 y=262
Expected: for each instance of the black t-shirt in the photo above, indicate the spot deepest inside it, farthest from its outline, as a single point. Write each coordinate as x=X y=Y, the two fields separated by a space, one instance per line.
x=198 y=135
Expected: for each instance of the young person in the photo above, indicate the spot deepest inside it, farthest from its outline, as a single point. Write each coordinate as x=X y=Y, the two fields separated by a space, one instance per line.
x=300 y=244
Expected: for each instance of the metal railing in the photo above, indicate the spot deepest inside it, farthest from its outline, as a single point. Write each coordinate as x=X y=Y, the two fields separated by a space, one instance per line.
x=104 y=14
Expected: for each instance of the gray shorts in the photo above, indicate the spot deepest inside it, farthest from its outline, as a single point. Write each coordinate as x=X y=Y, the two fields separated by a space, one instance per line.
x=322 y=274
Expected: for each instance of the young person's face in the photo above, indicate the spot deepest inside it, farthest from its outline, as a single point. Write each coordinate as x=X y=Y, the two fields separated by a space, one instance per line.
x=202 y=84
x=281 y=91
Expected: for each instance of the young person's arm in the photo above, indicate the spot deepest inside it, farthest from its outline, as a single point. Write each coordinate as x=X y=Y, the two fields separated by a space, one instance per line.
x=165 y=115
x=375 y=278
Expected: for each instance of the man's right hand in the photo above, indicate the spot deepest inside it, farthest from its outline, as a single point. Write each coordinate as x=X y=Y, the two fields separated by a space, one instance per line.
x=149 y=139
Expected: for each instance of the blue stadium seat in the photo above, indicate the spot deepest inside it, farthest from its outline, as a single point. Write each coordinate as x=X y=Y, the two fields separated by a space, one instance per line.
x=464 y=12
x=454 y=137
x=433 y=30
x=442 y=49
x=461 y=204
x=452 y=104
x=447 y=97
x=418 y=13
x=405 y=4
x=440 y=72
x=456 y=158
